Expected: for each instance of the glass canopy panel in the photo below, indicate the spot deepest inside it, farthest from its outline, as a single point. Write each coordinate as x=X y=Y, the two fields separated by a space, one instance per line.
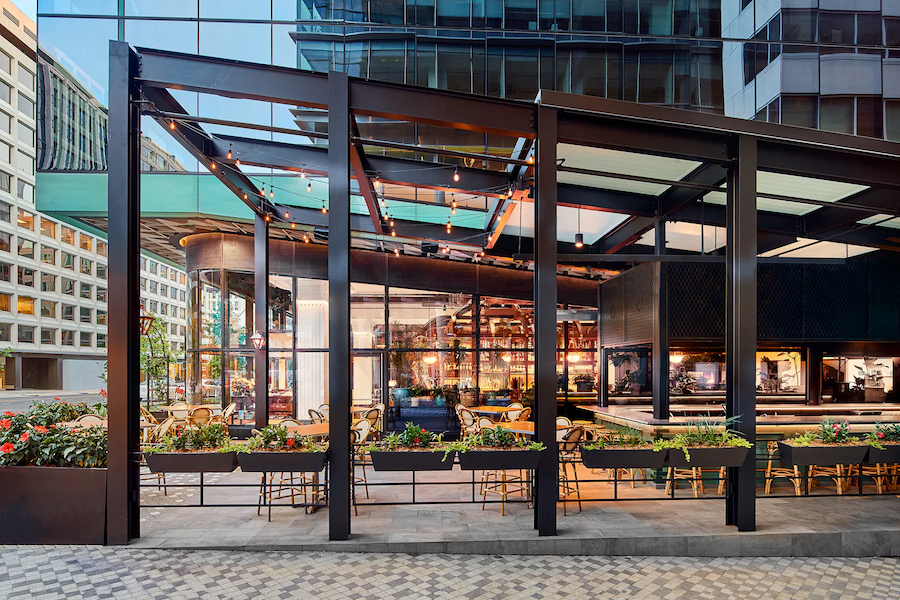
x=692 y=237
x=594 y=224
x=767 y=204
x=805 y=187
x=625 y=163
x=882 y=220
x=807 y=248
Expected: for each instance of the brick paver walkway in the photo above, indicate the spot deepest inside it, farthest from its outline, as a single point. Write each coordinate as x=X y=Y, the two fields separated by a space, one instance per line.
x=121 y=573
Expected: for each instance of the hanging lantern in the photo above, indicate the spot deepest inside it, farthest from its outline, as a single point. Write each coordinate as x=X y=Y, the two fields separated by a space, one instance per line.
x=258 y=340
x=146 y=322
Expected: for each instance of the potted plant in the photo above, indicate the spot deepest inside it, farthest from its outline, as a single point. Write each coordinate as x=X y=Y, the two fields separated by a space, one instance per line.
x=53 y=478
x=201 y=449
x=625 y=449
x=497 y=449
x=273 y=450
x=708 y=444
x=584 y=383
x=884 y=444
x=830 y=444
x=413 y=449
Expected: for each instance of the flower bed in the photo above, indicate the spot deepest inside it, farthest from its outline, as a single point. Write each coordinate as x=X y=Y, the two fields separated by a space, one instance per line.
x=53 y=479
x=413 y=449
x=203 y=449
x=273 y=450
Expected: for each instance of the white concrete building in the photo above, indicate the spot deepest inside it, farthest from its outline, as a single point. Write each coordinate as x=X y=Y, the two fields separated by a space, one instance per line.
x=53 y=290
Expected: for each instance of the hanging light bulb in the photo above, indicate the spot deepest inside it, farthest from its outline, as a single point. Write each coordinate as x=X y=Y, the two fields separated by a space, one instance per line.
x=309 y=187
x=391 y=223
x=396 y=251
x=263 y=192
x=286 y=215
x=579 y=237
x=383 y=203
x=229 y=152
x=393 y=233
x=245 y=196
x=271 y=192
x=268 y=217
x=302 y=173
x=171 y=124
x=453 y=204
x=324 y=209
x=237 y=162
x=377 y=179
x=293 y=226
x=482 y=253
x=305 y=239
x=212 y=166
x=448 y=226
x=453 y=211
x=455 y=173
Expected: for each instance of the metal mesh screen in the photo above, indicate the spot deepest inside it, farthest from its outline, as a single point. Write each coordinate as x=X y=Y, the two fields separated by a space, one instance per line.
x=639 y=303
x=780 y=302
x=697 y=301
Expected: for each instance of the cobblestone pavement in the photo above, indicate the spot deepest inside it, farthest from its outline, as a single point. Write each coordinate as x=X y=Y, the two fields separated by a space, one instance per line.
x=93 y=572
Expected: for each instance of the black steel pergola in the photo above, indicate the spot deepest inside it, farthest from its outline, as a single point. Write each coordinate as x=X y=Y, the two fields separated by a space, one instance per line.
x=731 y=152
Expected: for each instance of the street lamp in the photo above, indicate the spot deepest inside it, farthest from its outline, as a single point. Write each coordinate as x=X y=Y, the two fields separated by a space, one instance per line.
x=146 y=322
x=258 y=340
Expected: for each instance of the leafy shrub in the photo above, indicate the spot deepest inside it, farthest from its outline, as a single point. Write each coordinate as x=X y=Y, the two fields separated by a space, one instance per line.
x=32 y=438
x=833 y=432
x=628 y=438
x=278 y=439
x=211 y=436
x=707 y=432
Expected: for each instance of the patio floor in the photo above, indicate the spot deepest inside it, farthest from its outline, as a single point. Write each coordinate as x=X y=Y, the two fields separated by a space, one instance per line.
x=643 y=522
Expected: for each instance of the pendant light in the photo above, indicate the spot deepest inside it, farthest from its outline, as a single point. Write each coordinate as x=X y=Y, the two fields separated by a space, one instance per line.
x=579 y=237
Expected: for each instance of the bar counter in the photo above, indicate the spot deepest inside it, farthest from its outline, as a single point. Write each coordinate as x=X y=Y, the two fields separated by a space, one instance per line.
x=794 y=419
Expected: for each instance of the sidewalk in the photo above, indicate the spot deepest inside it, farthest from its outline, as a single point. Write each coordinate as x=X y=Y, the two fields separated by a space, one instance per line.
x=20 y=400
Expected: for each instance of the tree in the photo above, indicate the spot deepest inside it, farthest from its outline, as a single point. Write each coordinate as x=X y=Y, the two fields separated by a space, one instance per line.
x=156 y=354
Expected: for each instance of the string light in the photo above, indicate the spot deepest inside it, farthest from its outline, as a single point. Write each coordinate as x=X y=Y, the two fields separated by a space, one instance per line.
x=293 y=226
x=305 y=239
x=309 y=187
x=263 y=192
x=245 y=196
x=286 y=215
x=383 y=203
x=237 y=162
x=393 y=233
x=455 y=173
x=391 y=223
x=482 y=253
x=324 y=209
x=377 y=179
x=396 y=251
x=229 y=152
x=448 y=226
x=271 y=192
x=172 y=125
x=268 y=217
x=453 y=206
x=302 y=173
x=212 y=166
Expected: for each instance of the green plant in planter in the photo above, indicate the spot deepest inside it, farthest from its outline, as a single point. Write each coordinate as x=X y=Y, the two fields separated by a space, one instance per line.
x=277 y=439
x=498 y=437
x=212 y=436
x=833 y=432
x=627 y=438
x=707 y=432
x=411 y=437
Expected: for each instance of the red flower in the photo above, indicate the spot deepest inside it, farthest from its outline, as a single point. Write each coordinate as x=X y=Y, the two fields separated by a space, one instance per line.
x=9 y=414
x=290 y=443
x=103 y=394
x=416 y=441
x=5 y=423
x=7 y=448
x=23 y=437
x=41 y=429
x=881 y=434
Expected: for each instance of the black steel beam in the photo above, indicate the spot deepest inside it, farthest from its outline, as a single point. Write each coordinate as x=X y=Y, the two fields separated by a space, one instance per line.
x=828 y=219
x=814 y=374
x=676 y=198
x=360 y=166
x=261 y=320
x=200 y=145
x=606 y=200
x=660 y=341
x=645 y=138
x=123 y=481
x=295 y=87
x=339 y=352
x=835 y=164
x=545 y=297
x=740 y=330
x=626 y=234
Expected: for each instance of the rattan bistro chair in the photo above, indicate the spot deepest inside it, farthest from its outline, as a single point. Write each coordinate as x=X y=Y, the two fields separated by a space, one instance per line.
x=199 y=416
x=148 y=416
x=156 y=436
x=317 y=417
x=89 y=420
x=568 y=456
x=468 y=423
x=792 y=474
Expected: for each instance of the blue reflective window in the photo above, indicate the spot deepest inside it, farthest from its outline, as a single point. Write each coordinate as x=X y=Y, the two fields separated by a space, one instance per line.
x=162 y=8
x=79 y=7
x=235 y=9
x=178 y=36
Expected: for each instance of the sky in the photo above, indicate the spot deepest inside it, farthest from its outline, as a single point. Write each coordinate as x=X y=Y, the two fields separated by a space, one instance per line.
x=29 y=7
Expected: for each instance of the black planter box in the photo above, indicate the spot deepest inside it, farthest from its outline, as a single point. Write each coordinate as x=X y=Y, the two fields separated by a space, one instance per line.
x=52 y=505
x=821 y=455
x=890 y=455
x=584 y=387
x=407 y=460
x=498 y=460
x=192 y=462
x=707 y=458
x=637 y=458
x=282 y=462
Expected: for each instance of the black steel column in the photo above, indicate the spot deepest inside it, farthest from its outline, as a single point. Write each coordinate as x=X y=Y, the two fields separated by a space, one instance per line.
x=813 y=374
x=261 y=320
x=660 y=363
x=124 y=151
x=339 y=304
x=546 y=491
x=604 y=377
x=740 y=328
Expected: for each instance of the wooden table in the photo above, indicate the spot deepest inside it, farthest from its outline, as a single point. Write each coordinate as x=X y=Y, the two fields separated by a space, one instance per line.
x=314 y=430
x=494 y=412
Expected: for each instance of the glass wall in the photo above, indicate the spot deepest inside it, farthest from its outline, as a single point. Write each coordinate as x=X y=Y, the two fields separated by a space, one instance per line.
x=859 y=378
x=411 y=347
